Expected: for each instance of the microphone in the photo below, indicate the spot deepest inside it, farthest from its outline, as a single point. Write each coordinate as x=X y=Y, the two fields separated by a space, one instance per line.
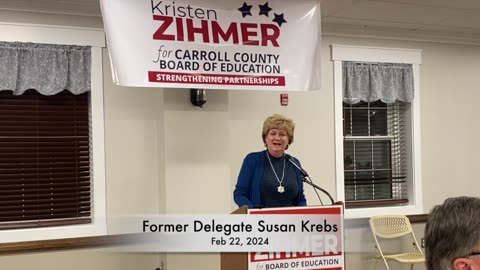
x=302 y=171
x=309 y=181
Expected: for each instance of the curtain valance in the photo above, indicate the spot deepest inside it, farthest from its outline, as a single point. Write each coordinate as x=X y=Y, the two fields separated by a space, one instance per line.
x=47 y=68
x=370 y=82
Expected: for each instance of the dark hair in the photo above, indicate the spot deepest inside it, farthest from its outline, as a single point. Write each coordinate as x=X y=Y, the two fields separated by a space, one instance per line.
x=452 y=231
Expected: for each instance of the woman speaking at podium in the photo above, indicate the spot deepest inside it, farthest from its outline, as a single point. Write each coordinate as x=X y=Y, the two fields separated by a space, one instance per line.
x=267 y=178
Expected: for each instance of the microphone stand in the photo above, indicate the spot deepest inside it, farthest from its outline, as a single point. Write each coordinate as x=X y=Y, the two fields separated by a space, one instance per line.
x=309 y=181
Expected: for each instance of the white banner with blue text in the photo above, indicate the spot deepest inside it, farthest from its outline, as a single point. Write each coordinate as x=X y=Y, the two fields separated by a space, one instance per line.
x=214 y=44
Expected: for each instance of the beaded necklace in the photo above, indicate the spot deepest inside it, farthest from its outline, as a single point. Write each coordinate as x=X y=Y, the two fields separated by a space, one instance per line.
x=280 y=188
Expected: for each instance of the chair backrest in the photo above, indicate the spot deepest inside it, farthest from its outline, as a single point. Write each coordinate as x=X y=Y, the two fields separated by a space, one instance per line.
x=395 y=226
x=390 y=226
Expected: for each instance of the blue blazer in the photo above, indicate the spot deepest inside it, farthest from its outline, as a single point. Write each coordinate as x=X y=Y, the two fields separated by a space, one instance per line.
x=247 y=190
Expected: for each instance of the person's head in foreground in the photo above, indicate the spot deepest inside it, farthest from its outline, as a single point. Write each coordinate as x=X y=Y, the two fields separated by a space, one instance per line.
x=452 y=235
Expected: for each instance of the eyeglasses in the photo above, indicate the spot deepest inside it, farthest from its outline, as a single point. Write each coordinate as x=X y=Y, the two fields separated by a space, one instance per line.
x=473 y=254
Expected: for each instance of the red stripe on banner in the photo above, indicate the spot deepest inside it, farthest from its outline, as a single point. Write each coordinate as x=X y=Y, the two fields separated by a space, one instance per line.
x=296 y=211
x=282 y=256
x=215 y=79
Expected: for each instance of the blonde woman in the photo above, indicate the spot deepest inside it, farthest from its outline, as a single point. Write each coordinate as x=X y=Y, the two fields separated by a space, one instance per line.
x=266 y=178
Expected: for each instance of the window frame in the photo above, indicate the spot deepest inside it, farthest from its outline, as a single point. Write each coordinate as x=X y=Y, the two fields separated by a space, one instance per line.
x=71 y=36
x=386 y=55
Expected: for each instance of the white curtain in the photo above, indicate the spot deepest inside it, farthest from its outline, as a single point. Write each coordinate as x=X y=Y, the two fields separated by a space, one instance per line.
x=47 y=68
x=370 y=82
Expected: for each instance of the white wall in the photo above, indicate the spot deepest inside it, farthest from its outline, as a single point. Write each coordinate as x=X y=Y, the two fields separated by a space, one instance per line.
x=94 y=259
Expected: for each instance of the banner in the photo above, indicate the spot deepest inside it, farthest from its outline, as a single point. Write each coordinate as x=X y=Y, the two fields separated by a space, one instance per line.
x=329 y=253
x=214 y=44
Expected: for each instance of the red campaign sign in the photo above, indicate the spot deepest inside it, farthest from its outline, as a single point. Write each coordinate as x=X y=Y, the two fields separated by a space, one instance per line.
x=299 y=211
x=300 y=260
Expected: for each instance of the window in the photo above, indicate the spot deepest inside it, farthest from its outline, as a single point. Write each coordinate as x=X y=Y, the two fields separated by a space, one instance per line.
x=44 y=159
x=377 y=144
x=375 y=153
x=88 y=218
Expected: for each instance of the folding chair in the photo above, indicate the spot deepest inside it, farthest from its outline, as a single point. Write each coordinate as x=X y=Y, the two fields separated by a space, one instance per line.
x=395 y=226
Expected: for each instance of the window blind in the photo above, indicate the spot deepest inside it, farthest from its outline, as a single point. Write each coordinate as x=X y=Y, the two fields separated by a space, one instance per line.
x=44 y=159
x=375 y=153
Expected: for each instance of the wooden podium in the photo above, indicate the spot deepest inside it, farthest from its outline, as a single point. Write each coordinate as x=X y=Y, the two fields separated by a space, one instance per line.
x=239 y=260
x=235 y=260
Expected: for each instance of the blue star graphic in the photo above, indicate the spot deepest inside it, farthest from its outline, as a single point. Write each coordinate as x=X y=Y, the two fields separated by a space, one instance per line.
x=245 y=10
x=279 y=19
x=264 y=9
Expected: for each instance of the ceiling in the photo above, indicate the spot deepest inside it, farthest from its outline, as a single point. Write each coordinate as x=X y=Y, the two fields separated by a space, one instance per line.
x=445 y=20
